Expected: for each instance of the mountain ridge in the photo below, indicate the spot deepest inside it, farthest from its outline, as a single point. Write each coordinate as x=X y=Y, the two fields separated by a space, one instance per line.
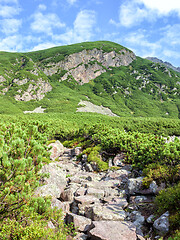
x=107 y=73
x=167 y=64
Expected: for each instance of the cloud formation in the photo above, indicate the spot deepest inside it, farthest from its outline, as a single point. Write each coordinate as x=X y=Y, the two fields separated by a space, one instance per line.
x=10 y=26
x=161 y=6
x=8 y=11
x=83 y=29
x=45 y=23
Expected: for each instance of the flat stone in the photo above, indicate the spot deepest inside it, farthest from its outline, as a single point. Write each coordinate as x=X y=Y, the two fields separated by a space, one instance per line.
x=113 y=230
x=98 y=193
x=99 y=212
x=81 y=223
x=86 y=199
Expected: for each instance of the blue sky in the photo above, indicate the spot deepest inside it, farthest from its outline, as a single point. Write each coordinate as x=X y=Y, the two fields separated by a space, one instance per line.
x=148 y=27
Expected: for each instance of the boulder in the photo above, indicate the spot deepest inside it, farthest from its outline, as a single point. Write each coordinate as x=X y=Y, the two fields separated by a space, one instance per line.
x=138 y=220
x=135 y=185
x=55 y=183
x=112 y=230
x=81 y=223
x=65 y=206
x=57 y=150
x=161 y=224
x=98 y=212
x=67 y=195
x=98 y=193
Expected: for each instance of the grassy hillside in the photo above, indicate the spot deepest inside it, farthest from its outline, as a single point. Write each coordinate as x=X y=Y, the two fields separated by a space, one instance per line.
x=141 y=89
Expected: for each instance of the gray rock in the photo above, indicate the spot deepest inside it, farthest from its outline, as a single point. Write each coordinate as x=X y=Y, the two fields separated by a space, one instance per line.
x=98 y=193
x=153 y=187
x=67 y=195
x=81 y=223
x=80 y=191
x=65 y=206
x=80 y=236
x=161 y=224
x=98 y=212
x=138 y=220
x=135 y=185
x=150 y=219
x=86 y=199
x=56 y=182
x=84 y=158
x=88 y=167
x=76 y=151
x=57 y=150
x=118 y=160
x=112 y=230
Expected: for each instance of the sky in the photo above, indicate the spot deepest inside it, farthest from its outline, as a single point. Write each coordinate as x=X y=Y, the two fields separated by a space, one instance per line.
x=147 y=27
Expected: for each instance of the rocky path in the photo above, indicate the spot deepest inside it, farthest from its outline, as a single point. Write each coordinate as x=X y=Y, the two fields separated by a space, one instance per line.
x=108 y=205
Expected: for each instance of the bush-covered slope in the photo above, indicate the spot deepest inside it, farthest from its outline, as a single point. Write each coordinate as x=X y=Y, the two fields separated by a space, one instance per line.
x=103 y=72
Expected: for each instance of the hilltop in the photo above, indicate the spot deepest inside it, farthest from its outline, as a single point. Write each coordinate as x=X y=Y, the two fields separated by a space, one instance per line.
x=104 y=73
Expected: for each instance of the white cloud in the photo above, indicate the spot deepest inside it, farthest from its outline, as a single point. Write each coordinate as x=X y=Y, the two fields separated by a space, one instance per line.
x=171 y=54
x=171 y=34
x=133 y=12
x=84 y=23
x=9 y=1
x=45 y=23
x=42 y=46
x=42 y=7
x=9 y=11
x=143 y=47
x=83 y=28
x=162 y=6
x=71 y=1
x=11 y=43
x=130 y=14
x=10 y=26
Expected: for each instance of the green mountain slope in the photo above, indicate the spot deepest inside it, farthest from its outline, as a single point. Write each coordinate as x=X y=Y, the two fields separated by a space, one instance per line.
x=103 y=73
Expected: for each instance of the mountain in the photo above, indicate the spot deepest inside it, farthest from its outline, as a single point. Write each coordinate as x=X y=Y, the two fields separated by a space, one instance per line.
x=167 y=64
x=103 y=73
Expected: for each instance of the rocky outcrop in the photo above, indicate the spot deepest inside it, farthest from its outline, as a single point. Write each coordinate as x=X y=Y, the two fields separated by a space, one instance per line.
x=88 y=64
x=34 y=91
x=106 y=205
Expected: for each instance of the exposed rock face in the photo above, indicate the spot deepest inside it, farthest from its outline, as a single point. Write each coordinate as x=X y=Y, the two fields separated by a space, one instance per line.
x=89 y=64
x=34 y=92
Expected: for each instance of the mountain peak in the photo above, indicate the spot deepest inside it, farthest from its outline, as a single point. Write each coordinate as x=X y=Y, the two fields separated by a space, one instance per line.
x=167 y=64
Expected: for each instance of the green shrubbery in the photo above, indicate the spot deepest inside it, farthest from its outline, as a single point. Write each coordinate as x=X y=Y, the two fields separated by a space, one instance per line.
x=168 y=200
x=22 y=215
